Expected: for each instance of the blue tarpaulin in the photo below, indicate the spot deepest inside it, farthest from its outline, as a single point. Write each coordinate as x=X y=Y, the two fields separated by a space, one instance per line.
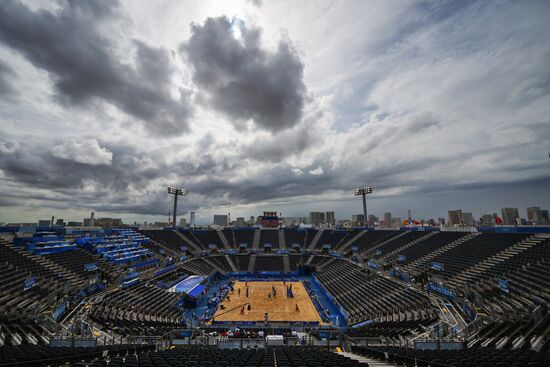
x=196 y=292
x=187 y=285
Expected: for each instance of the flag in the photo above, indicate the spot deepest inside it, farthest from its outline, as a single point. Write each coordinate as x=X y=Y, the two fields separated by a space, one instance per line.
x=498 y=220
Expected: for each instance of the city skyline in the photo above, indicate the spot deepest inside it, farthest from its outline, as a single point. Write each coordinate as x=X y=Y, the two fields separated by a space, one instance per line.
x=533 y=215
x=280 y=106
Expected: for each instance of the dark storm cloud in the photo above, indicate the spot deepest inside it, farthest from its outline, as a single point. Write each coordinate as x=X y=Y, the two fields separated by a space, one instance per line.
x=6 y=74
x=80 y=60
x=33 y=168
x=243 y=80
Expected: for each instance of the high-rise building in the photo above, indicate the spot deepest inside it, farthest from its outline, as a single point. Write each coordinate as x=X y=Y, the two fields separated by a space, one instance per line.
x=387 y=219
x=372 y=219
x=509 y=216
x=329 y=218
x=544 y=216
x=240 y=222
x=534 y=215
x=357 y=220
x=455 y=217
x=220 y=220
x=192 y=220
x=396 y=222
x=316 y=218
x=488 y=220
x=467 y=219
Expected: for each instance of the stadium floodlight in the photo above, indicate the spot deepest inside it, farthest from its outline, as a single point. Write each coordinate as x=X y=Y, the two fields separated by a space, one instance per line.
x=176 y=192
x=364 y=191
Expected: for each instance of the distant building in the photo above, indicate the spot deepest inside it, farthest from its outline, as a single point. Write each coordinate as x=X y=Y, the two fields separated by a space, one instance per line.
x=294 y=221
x=358 y=220
x=455 y=217
x=396 y=222
x=329 y=218
x=220 y=220
x=251 y=220
x=87 y=222
x=387 y=219
x=183 y=222
x=488 y=220
x=107 y=222
x=441 y=221
x=239 y=222
x=316 y=218
x=372 y=219
x=44 y=223
x=509 y=216
x=534 y=215
x=74 y=224
x=467 y=219
x=192 y=220
x=60 y=222
x=544 y=217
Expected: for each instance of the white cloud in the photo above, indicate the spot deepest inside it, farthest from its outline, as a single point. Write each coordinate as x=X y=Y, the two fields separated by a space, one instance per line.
x=317 y=171
x=85 y=151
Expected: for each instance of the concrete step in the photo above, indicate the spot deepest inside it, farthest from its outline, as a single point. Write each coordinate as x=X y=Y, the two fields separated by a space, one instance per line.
x=190 y=244
x=351 y=241
x=315 y=239
x=286 y=264
x=361 y=359
x=282 y=241
x=256 y=241
x=252 y=263
x=231 y=263
x=223 y=239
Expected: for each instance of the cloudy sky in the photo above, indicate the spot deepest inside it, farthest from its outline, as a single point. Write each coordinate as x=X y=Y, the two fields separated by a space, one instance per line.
x=260 y=105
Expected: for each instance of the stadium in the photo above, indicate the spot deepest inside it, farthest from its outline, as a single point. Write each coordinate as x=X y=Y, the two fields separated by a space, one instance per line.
x=276 y=297
x=206 y=166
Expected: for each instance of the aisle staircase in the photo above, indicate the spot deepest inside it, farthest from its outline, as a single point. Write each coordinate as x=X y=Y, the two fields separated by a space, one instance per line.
x=231 y=263
x=315 y=239
x=223 y=239
x=367 y=361
x=190 y=244
x=256 y=241
x=282 y=242
x=286 y=264
x=252 y=263
x=351 y=241
x=380 y=244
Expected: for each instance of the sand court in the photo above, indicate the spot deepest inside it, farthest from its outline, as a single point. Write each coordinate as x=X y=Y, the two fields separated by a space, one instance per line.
x=279 y=307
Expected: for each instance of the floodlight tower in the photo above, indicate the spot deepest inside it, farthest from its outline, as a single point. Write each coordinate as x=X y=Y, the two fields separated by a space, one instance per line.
x=364 y=191
x=176 y=192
